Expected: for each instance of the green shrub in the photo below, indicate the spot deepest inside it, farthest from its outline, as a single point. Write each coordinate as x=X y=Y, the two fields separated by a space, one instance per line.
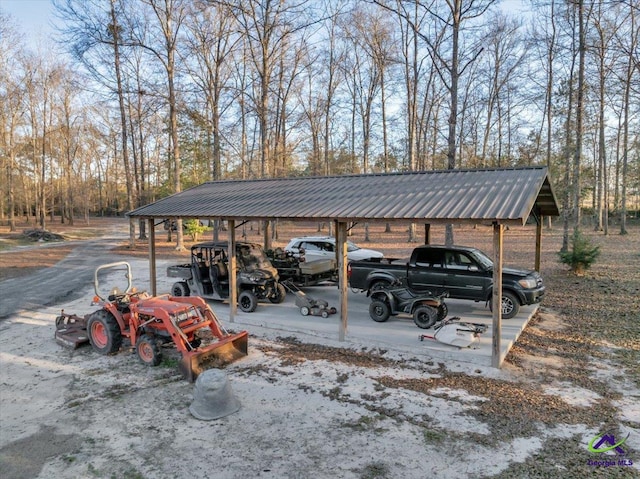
x=195 y=229
x=581 y=255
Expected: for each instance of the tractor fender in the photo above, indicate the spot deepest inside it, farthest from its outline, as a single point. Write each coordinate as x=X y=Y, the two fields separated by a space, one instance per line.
x=111 y=308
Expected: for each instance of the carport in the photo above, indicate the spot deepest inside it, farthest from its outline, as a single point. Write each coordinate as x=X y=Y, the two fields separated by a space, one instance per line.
x=496 y=197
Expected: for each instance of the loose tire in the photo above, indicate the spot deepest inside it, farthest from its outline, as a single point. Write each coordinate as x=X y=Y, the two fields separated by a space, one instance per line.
x=281 y=294
x=425 y=316
x=148 y=350
x=443 y=310
x=379 y=311
x=180 y=289
x=247 y=301
x=510 y=305
x=104 y=332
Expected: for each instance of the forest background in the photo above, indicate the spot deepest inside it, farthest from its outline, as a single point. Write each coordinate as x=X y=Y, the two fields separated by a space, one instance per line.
x=155 y=96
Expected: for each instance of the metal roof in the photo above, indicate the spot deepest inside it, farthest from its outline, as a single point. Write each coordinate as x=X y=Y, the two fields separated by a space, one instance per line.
x=507 y=195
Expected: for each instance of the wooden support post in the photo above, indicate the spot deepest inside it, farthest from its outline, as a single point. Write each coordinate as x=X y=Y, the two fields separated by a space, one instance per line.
x=496 y=298
x=341 y=243
x=538 y=243
x=267 y=235
x=233 y=261
x=427 y=233
x=152 y=258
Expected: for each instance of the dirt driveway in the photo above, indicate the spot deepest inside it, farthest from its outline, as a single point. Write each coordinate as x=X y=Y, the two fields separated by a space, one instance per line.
x=312 y=408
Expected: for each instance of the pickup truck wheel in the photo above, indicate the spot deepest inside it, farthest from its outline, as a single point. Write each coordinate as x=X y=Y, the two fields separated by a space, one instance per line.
x=379 y=311
x=380 y=284
x=425 y=316
x=248 y=301
x=510 y=305
x=180 y=289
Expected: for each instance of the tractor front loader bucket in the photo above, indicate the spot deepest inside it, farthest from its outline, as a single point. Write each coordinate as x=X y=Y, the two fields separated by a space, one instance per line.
x=214 y=355
x=71 y=330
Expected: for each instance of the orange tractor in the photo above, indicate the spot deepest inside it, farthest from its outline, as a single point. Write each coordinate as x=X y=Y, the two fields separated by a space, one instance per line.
x=149 y=322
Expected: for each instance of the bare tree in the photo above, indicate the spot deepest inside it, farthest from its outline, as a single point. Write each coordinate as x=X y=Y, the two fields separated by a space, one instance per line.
x=12 y=109
x=170 y=15
x=267 y=26
x=210 y=45
x=452 y=61
x=632 y=71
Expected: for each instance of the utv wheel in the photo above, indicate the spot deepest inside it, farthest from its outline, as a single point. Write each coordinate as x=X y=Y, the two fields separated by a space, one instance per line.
x=180 y=289
x=104 y=332
x=510 y=305
x=280 y=294
x=379 y=311
x=247 y=301
x=443 y=310
x=425 y=316
x=148 y=350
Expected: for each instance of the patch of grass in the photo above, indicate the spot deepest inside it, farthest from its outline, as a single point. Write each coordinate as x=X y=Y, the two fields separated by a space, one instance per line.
x=132 y=474
x=432 y=436
x=364 y=423
x=169 y=363
x=375 y=470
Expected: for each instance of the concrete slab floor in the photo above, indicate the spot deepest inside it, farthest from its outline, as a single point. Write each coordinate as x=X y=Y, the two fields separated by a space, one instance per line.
x=398 y=333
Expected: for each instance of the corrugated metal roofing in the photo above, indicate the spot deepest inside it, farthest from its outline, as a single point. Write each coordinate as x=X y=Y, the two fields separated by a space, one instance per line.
x=506 y=195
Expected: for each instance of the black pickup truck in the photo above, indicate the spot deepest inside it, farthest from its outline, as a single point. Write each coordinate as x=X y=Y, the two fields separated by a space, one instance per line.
x=463 y=272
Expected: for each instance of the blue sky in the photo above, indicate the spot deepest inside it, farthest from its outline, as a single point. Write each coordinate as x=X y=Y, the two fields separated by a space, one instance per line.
x=32 y=17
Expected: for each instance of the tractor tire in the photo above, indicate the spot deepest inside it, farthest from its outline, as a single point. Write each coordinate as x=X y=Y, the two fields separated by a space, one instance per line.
x=425 y=316
x=379 y=311
x=148 y=350
x=281 y=294
x=510 y=305
x=247 y=301
x=180 y=289
x=443 y=310
x=104 y=332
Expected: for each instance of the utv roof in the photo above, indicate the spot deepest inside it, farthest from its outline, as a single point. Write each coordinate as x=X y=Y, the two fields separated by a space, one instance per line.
x=222 y=244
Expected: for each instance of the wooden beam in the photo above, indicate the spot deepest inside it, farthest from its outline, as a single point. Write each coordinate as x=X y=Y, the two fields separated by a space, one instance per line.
x=427 y=233
x=341 y=243
x=233 y=261
x=152 y=257
x=496 y=298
